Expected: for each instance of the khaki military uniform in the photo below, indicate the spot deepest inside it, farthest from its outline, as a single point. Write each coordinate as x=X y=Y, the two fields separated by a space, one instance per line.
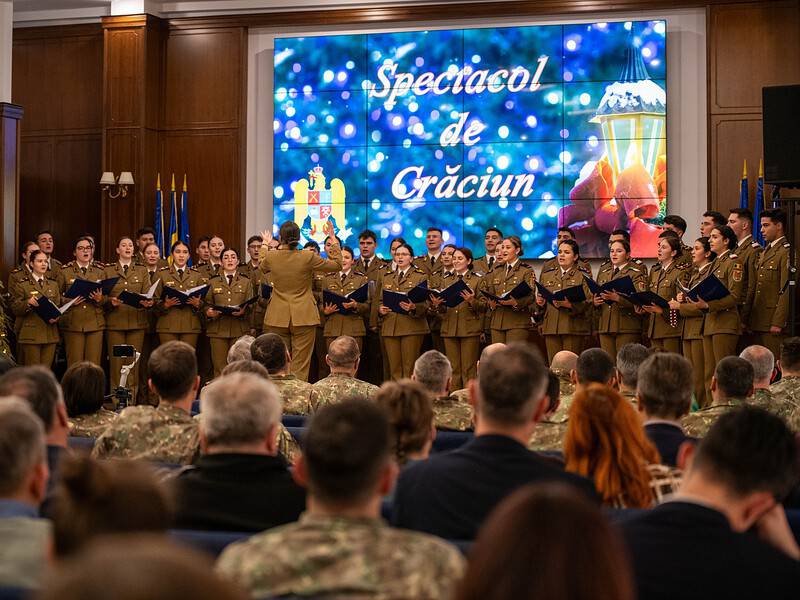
x=36 y=340
x=685 y=257
x=224 y=330
x=565 y=328
x=692 y=340
x=338 y=324
x=723 y=325
x=618 y=323
x=402 y=334
x=551 y=264
x=180 y=323
x=125 y=324
x=452 y=414
x=138 y=259
x=298 y=397
x=510 y=323
x=150 y=343
x=771 y=295
x=698 y=423
x=343 y=557
x=483 y=265
x=53 y=267
x=433 y=270
x=660 y=329
x=461 y=328
x=165 y=434
x=83 y=325
x=372 y=355
x=338 y=386
x=93 y=425
x=209 y=270
x=259 y=309
x=430 y=268
x=749 y=254
x=785 y=401
x=19 y=274
x=373 y=268
x=292 y=312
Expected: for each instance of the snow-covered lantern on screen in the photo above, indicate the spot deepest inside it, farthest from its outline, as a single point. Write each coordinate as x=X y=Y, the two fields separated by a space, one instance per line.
x=633 y=116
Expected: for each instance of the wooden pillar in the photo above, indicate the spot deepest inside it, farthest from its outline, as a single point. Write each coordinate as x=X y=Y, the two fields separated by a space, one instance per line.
x=132 y=76
x=10 y=116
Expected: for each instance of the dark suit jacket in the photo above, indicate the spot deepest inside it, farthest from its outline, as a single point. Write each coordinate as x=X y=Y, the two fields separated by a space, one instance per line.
x=451 y=494
x=688 y=551
x=237 y=492
x=668 y=439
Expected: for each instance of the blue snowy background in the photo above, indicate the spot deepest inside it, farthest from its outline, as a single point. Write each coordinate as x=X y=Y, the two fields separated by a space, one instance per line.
x=324 y=116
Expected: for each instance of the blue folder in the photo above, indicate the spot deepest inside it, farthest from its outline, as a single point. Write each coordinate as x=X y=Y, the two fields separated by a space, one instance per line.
x=623 y=286
x=419 y=293
x=520 y=291
x=647 y=298
x=710 y=289
x=574 y=294
x=392 y=301
x=184 y=297
x=451 y=295
x=47 y=310
x=266 y=291
x=229 y=310
x=360 y=294
x=85 y=287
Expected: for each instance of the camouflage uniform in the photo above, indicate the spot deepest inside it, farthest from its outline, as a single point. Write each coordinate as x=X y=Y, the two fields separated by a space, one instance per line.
x=549 y=433
x=337 y=386
x=698 y=423
x=461 y=395
x=298 y=396
x=450 y=413
x=629 y=395
x=92 y=425
x=287 y=445
x=343 y=557
x=786 y=400
x=164 y=434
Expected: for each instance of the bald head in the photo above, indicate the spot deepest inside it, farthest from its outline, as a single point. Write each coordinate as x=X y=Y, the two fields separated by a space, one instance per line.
x=763 y=363
x=491 y=349
x=564 y=360
x=343 y=355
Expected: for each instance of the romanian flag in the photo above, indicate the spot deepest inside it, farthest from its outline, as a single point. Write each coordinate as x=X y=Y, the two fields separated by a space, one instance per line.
x=183 y=230
x=173 y=219
x=759 y=203
x=744 y=201
x=158 y=223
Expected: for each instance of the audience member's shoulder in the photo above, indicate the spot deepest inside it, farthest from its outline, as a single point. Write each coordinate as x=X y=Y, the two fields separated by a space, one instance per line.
x=134 y=413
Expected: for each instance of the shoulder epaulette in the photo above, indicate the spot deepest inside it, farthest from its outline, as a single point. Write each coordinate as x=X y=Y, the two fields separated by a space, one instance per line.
x=70 y=263
x=163 y=269
x=787 y=245
x=358 y=273
x=638 y=261
x=757 y=245
x=634 y=269
x=656 y=267
x=525 y=265
x=244 y=275
x=478 y=273
x=97 y=263
x=17 y=270
x=418 y=270
x=734 y=255
x=682 y=265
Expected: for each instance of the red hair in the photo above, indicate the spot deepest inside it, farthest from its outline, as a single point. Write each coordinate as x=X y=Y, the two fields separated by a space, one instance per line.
x=605 y=440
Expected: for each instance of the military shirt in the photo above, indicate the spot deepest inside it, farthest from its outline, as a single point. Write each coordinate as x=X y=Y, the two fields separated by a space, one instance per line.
x=336 y=386
x=165 y=434
x=770 y=297
x=551 y=264
x=396 y=324
x=698 y=423
x=179 y=319
x=19 y=274
x=88 y=316
x=135 y=279
x=352 y=324
x=620 y=317
x=786 y=400
x=29 y=326
x=501 y=281
x=343 y=557
x=749 y=254
x=664 y=282
x=723 y=314
x=452 y=414
x=298 y=396
x=92 y=425
x=694 y=318
x=423 y=263
x=221 y=293
x=256 y=277
x=464 y=320
x=373 y=270
x=484 y=264
x=566 y=321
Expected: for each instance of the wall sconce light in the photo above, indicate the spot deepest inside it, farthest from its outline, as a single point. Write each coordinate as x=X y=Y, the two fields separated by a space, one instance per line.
x=108 y=181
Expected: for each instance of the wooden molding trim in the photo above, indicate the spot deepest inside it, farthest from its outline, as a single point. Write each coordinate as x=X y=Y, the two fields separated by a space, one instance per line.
x=131 y=22
x=57 y=31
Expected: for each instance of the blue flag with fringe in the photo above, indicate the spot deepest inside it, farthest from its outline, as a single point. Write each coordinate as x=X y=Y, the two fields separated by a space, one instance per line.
x=158 y=221
x=183 y=230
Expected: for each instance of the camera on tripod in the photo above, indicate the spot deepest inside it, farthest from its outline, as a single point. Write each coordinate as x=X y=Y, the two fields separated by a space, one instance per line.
x=122 y=394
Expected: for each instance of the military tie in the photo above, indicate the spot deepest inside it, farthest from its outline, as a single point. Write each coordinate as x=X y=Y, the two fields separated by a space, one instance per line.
x=180 y=273
x=152 y=275
x=508 y=270
x=83 y=270
x=491 y=262
x=400 y=276
x=344 y=276
x=366 y=264
x=125 y=270
x=433 y=261
x=41 y=283
x=216 y=269
x=230 y=279
x=616 y=270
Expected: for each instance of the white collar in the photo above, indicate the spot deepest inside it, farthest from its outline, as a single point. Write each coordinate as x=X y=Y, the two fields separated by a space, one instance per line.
x=743 y=241
x=435 y=256
x=511 y=265
x=345 y=273
x=773 y=243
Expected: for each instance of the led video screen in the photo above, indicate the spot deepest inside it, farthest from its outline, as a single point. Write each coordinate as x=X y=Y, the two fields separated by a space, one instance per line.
x=521 y=128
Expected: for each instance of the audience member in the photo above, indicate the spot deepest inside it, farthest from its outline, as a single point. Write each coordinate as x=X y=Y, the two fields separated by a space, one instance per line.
x=38 y=387
x=23 y=483
x=462 y=395
x=433 y=371
x=340 y=547
x=606 y=442
x=595 y=365
x=563 y=365
x=664 y=395
x=96 y=498
x=137 y=567
x=577 y=555
x=696 y=545
x=298 y=396
x=6 y=364
x=549 y=433
x=763 y=362
x=786 y=391
x=411 y=418
x=167 y=433
x=451 y=494
x=245 y=366
x=343 y=359
x=629 y=358
x=240 y=350
x=731 y=386
x=84 y=386
x=240 y=482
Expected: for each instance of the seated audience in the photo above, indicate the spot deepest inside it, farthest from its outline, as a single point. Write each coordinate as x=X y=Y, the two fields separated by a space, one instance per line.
x=244 y=366
x=433 y=371
x=725 y=534
x=664 y=395
x=606 y=442
x=577 y=555
x=84 y=386
x=340 y=547
x=411 y=418
x=629 y=358
x=592 y=366
x=451 y=494
x=240 y=350
x=343 y=359
x=298 y=396
x=786 y=391
x=731 y=386
x=24 y=538
x=137 y=567
x=167 y=433
x=38 y=387
x=763 y=362
x=462 y=395
x=240 y=482
x=96 y=498
x=564 y=365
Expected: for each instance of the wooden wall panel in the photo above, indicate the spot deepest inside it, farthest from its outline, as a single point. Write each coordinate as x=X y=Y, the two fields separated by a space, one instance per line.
x=734 y=138
x=124 y=81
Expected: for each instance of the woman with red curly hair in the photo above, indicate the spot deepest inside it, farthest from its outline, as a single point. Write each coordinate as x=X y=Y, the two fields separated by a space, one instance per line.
x=606 y=442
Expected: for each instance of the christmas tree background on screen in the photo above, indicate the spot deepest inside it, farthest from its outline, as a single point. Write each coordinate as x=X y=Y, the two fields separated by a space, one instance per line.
x=521 y=128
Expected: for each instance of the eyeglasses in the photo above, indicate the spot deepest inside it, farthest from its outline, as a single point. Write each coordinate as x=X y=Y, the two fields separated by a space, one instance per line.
x=83 y=248
x=255 y=246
